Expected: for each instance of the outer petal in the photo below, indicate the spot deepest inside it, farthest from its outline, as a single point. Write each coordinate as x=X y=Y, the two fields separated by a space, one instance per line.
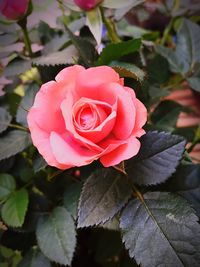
x=41 y=140
x=89 y=80
x=47 y=106
x=122 y=152
x=68 y=152
x=141 y=117
x=69 y=74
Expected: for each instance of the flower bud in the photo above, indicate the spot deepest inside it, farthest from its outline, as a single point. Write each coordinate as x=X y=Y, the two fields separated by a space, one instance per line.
x=14 y=10
x=87 y=4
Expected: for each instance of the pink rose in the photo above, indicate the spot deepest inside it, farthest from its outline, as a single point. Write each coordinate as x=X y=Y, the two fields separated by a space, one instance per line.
x=87 y=4
x=14 y=9
x=85 y=115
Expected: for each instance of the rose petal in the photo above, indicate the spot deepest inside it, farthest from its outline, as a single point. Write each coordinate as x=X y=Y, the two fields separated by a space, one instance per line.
x=69 y=74
x=122 y=152
x=141 y=117
x=68 y=152
x=89 y=80
x=41 y=140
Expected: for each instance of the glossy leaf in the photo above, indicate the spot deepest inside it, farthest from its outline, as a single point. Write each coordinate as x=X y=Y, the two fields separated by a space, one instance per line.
x=5 y=119
x=104 y=193
x=157 y=159
x=13 y=143
x=34 y=258
x=162 y=230
x=7 y=185
x=56 y=236
x=115 y=51
x=14 y=209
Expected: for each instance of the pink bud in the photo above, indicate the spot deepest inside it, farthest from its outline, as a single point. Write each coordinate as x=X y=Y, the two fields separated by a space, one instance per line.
x=12 y=9
x=87 y=4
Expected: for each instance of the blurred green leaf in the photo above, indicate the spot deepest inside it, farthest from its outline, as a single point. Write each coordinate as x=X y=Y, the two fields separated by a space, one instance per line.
x=161 y=229
x=71 y=198
x=13 y=143
x=95 y=24
x=115 y=51
x=13 y=68
x=14 y=209
x=121 y=4
x=26 y=103
x=34 y=258
x=56 y=236
x=7 y=185
x=5 y=119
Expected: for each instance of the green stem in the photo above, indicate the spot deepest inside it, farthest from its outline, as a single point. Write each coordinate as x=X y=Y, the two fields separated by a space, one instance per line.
x=22 y=23
x=110 y=27
x=16 y=126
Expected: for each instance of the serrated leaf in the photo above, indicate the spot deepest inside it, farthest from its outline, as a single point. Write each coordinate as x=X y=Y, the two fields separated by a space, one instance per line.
x=157 y=159
x=5 y=119
x=120 y=4
x=128 y=70
x=7 y=185
x=13 y=143
x=67 y=56
x=34 y=258
x=162 y=231
x=71 y=198
x=56 y=236
x=115 y=51
x=26 y=103
x=14 y=209
x=104 y=193
x=95 y=24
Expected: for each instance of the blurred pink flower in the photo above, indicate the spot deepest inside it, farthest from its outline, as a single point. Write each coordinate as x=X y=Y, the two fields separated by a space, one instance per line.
x=87 y=4
x=12 y=9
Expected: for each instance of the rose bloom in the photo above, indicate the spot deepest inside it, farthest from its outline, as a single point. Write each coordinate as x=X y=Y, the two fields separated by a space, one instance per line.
x=85 y=115
x=14 y=9
x=87 y=4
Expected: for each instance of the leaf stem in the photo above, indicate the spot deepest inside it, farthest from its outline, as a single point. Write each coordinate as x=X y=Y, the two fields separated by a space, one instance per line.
x=23 y=24
x=110 y=27
x=16 y=126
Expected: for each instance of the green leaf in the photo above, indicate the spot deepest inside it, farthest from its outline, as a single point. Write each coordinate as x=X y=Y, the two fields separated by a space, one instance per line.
x=14 y=209
x=166 y=115
x=5 y=119
x=39 y=164
x=7 y=185
x=194 y=83
x=34 y=258
x=13 y=68
x=161 y=231
x=67 y=56
x=71 y=198
x=156 y=93
x=26 y=103
x=95 y=24
x=128 y=70
x=104 y=193
x=120 y=4
x=186 y=54
x=115 y=51
x=56 y=236
x=157 y=159
x=13 y=143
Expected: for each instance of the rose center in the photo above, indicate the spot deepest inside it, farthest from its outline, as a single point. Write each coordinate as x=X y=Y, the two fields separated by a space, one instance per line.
x=88 y=116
